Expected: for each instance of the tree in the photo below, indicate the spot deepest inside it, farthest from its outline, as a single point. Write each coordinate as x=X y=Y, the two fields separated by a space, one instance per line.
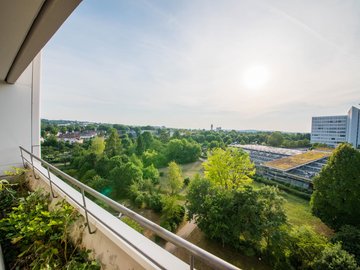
x=127 y=144
x=236 y=217
x=140 y=145
x=305 y=246
x=230 y=168
x=113 y=144
x=176 y=134
x=151 y=173
x=336 y=196
x=153 y=157
x=275 y=139
x=164 y=135
x=172 y=213
x=349 y=237
x=175 y=181
x=183 y=151
x=333 y=257
x=98 y=183
x=123 y=177
x=148 y=139
x=97 y=145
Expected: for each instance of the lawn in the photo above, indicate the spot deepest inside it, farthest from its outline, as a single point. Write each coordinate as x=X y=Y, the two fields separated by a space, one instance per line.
x=297 y=209
x=188 y=170
x=299 y=213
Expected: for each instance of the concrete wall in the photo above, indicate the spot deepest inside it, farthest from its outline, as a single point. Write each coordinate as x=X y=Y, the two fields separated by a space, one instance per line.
x=20 y=116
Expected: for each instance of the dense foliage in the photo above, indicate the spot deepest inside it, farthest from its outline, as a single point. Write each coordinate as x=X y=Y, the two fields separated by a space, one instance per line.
x=35 y=237
x=175 y=178
x=237 y=217
x=336 y=196
x=230 y=168
x=349 y=237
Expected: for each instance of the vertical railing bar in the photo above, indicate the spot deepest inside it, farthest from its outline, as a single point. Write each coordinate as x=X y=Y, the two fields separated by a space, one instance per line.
x=192 y=262
x=33 y=167
x=22 y=157
x=51 y=187
x=86 y=212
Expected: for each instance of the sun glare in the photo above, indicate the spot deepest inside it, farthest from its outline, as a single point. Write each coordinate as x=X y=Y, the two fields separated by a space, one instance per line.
x=256 y=77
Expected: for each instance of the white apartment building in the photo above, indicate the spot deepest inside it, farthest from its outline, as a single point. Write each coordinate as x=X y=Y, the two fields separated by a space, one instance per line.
x=332 y=130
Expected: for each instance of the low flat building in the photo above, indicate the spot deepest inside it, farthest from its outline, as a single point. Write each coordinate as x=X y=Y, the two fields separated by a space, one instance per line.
x=333 y=130
x=292 y=166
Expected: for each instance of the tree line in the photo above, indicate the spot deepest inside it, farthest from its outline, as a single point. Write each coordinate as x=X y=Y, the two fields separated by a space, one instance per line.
x=230 y=210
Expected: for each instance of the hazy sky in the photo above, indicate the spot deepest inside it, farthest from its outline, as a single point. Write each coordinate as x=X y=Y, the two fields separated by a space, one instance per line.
x=238 y=64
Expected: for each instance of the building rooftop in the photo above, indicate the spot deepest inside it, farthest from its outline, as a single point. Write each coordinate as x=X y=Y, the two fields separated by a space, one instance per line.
x=292 y=162
x=270 y=149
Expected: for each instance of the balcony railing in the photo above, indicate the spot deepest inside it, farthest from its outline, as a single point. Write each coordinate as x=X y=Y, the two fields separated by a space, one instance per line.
x=46 y=170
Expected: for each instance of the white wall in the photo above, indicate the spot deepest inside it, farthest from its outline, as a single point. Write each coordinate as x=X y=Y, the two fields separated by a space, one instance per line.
x=20 y=116
x=354 y=126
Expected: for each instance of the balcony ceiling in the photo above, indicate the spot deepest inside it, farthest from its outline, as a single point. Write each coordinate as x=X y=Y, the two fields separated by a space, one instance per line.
x=25 y=27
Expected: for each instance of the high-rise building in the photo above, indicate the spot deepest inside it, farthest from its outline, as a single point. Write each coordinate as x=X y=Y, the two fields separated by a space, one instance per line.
x=332 y=130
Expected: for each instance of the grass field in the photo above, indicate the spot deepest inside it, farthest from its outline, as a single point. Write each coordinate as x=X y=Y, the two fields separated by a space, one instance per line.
x=297 y=209
x=299 y=213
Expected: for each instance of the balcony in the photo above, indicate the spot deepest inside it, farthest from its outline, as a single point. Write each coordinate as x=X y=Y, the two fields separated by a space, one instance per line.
x=114 y=244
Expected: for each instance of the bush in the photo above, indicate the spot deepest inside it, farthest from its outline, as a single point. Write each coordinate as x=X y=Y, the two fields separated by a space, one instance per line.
x=166 y=225
x=139 y=200
x=186 y=181
x=7 y=196
x=333 y=257
x=172 y=213
x=297 y=191
x=71 y=172
x=305 y=245
x=154 y=202
x=35 y=237
x=349 y=237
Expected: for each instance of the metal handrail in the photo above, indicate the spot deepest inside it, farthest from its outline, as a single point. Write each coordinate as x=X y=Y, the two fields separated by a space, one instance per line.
x=194 y=250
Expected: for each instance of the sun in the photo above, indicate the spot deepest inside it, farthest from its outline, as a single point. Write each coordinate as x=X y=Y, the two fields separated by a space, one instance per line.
x=256 y=77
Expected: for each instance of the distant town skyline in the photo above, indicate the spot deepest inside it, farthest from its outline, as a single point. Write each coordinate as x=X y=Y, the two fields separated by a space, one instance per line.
x=243 y=65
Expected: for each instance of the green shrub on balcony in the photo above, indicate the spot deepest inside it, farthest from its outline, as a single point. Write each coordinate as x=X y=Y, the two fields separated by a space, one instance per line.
x=36 y=236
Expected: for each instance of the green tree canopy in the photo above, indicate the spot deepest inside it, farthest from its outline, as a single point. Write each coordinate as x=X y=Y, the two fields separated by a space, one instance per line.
x=275 y=139
x=150 y=172
x=336 y=196
x=333 y=257
x=97 y=145
x=123 y=177
x=113 y=144
x=230 y=168
x=183 y=151
x=236 y=217
x=175 y=179
x=349 y=237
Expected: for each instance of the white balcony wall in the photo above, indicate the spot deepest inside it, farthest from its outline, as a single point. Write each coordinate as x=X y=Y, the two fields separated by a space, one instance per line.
x=20 y=116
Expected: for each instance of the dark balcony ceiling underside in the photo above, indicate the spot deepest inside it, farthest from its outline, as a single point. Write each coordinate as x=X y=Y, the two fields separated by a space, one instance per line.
x=25 y=27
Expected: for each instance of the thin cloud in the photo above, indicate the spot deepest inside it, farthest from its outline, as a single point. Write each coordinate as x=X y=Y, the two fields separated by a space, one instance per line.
x=181 y=64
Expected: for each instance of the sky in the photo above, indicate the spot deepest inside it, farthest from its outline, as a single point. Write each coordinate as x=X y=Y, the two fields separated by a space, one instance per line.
x=242 y=64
